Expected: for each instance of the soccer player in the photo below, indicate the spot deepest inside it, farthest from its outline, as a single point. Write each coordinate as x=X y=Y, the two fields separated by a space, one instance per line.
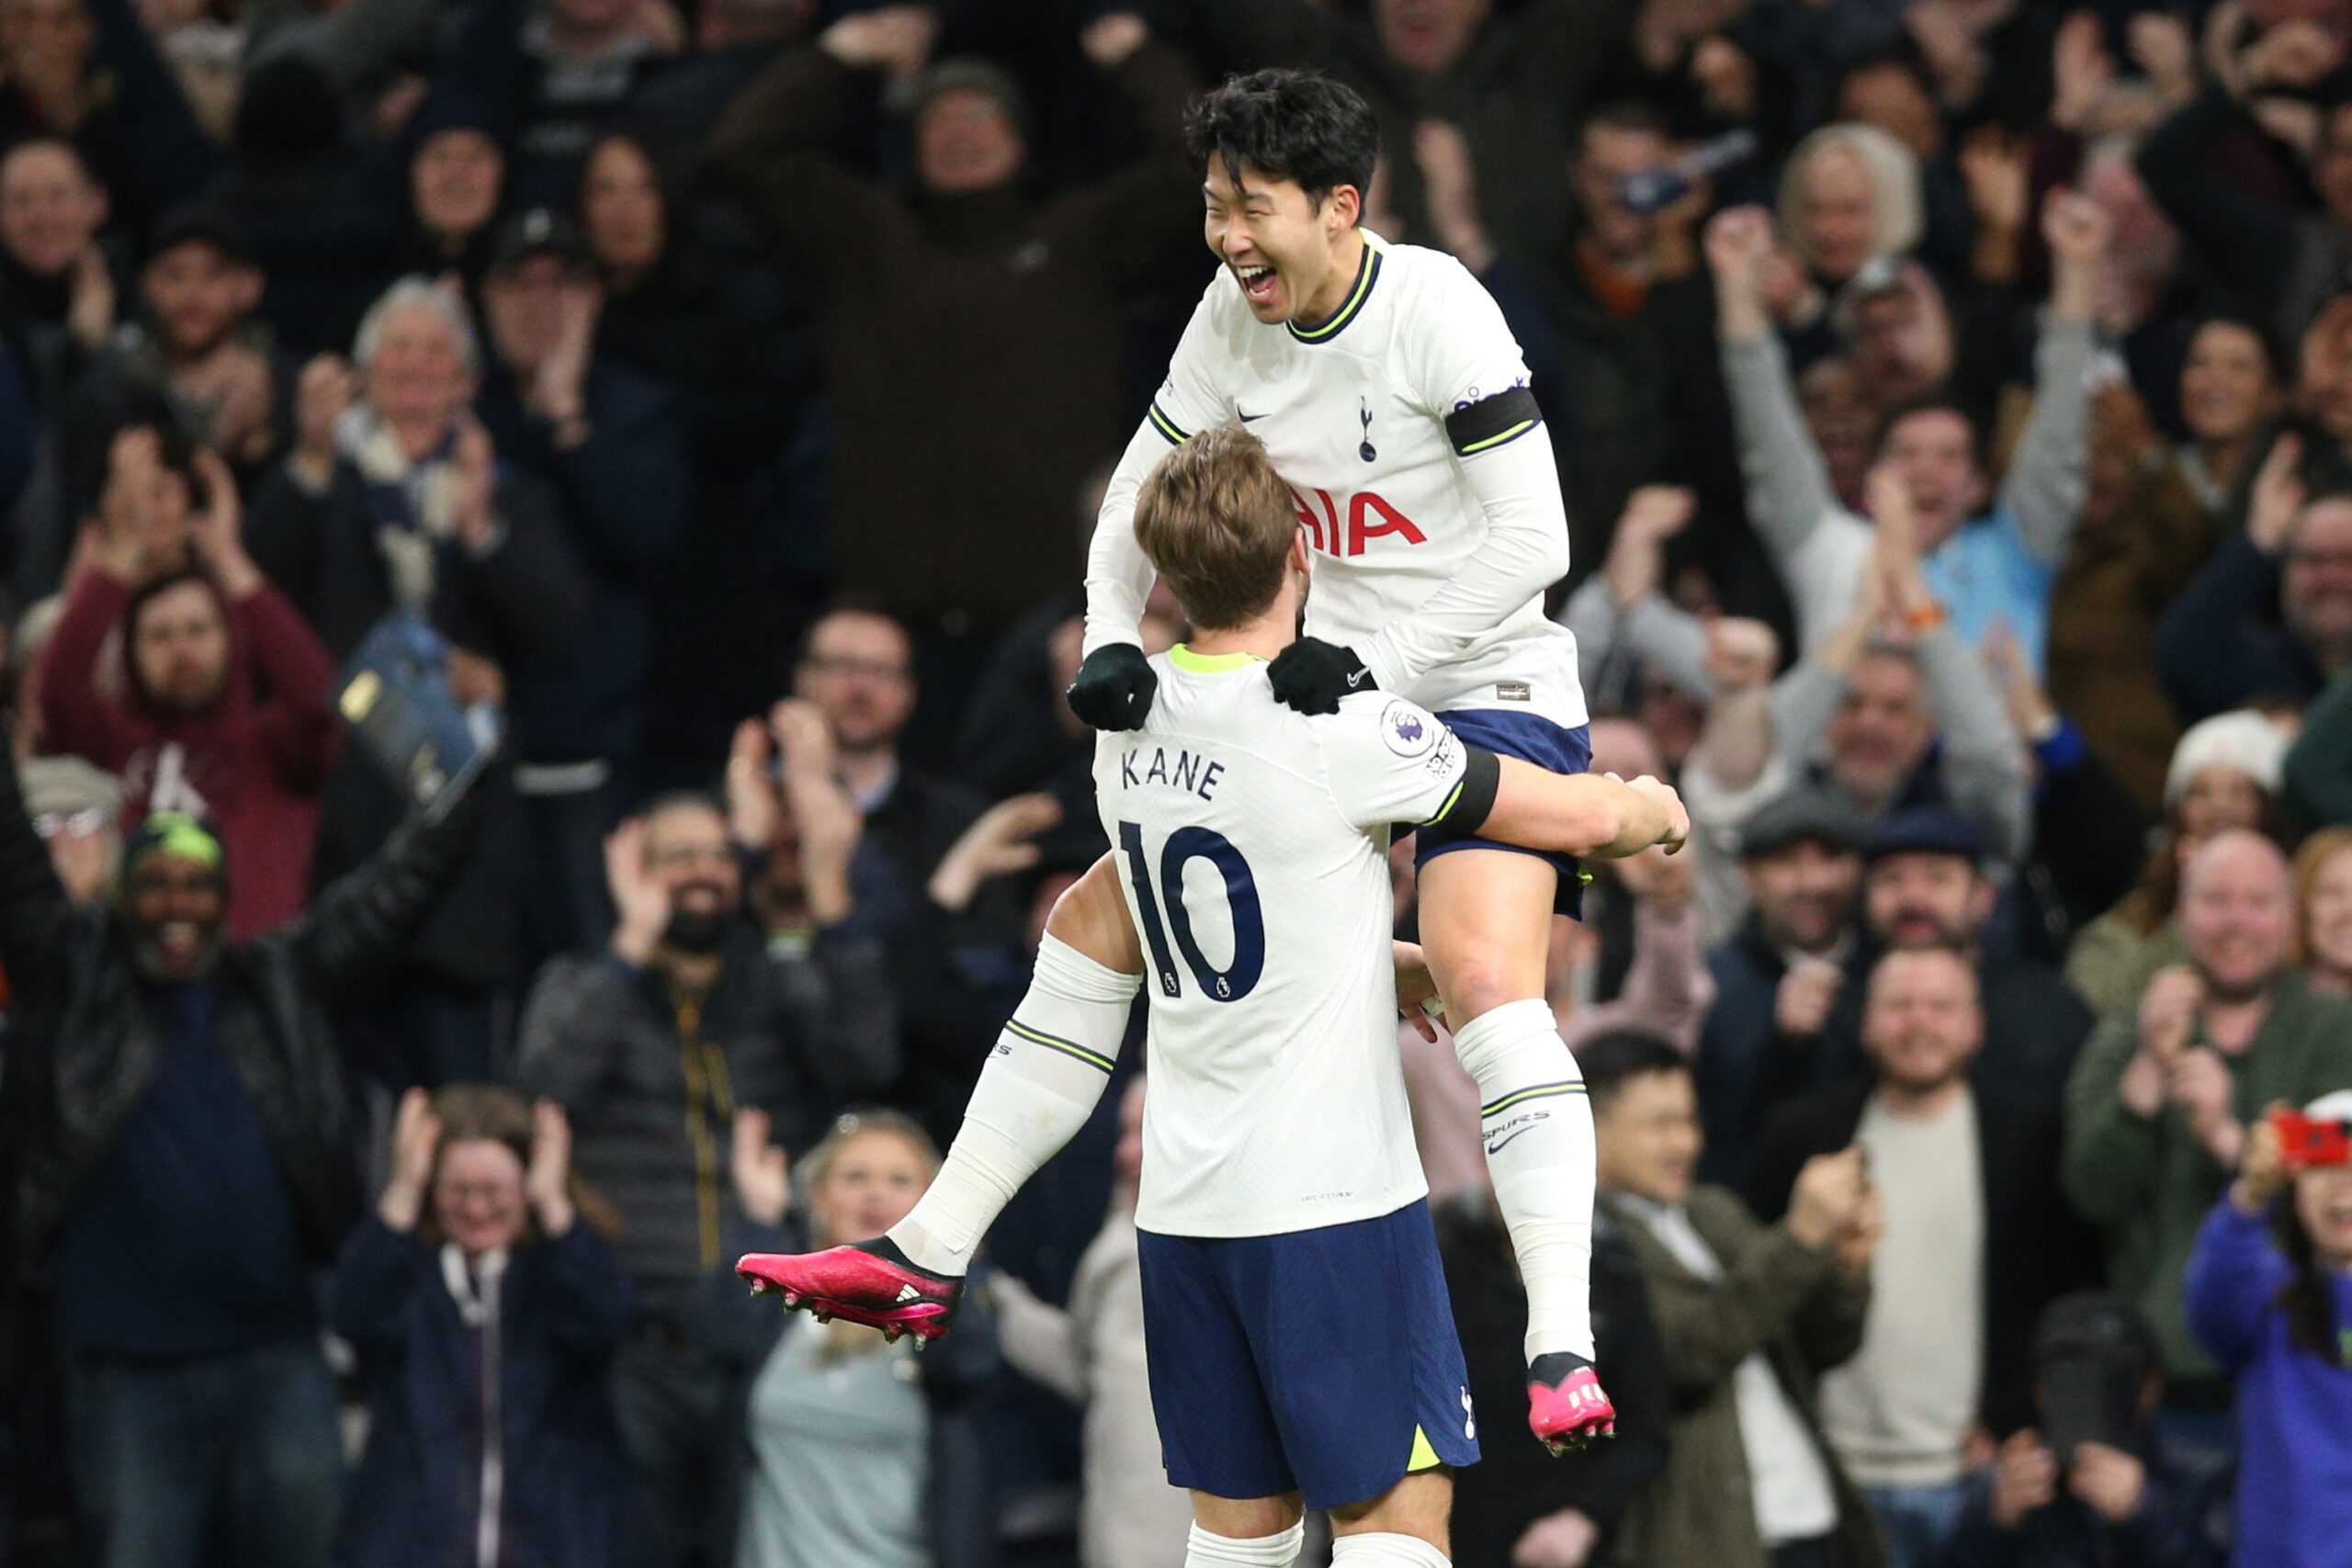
x=1395 y=403
x=1301 y=1345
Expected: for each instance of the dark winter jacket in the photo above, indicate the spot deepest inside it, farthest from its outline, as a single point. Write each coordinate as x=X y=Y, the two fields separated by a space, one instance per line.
x=2036 y=1249
x=83 y=1046
x=569 y=1499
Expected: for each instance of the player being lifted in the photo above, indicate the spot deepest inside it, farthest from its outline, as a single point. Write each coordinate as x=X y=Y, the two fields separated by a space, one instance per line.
x=1301 y=1345
x=1395 y=403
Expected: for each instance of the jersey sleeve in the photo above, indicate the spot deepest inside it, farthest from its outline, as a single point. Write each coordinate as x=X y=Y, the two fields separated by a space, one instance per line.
x=1462 y=354
x=1118 y=575
x=1388 y=760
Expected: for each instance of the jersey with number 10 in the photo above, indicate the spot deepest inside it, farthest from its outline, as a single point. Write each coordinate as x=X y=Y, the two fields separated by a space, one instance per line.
x=1353 y=413
x=1251 y=844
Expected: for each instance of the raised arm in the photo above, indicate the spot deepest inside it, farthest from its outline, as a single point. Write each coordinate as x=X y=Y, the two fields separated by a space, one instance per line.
x=2049 y=478
x=1788 y=484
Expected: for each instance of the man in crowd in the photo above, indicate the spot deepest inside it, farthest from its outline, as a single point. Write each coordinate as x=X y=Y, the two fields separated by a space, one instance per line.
x=1749 y=1317
x=2159 y=1104
x=606 y=442
x=178 y=667
x=1778 y=979
x=961 y=292
x=189 y=1163
x=1975 y=1242
x=2270 y=616
x=652 y=1046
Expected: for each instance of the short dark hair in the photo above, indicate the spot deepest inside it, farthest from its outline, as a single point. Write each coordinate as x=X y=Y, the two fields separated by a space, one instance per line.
x=1614 y=1057
x=2274 y=357
x=1930 y=402
x=1291 y=125
x=1638 y=115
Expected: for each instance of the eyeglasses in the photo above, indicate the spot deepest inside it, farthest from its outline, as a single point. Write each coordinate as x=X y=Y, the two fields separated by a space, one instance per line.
x=690 y=855
x=83 y=824
x=871 y=668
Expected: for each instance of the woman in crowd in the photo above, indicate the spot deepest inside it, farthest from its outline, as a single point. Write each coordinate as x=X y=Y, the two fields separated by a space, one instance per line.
x=485 y=1313
x=2269 y=1296
x=2322 y=937
x=855 y=1451
x=2224 y=773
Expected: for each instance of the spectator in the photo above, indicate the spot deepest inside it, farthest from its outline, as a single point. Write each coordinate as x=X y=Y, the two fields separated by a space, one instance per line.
x=2107 y=1500
x=961 y=535
x=1091 y=1354
x=852 y=1450
x=456 y=183
x=484 y=1312
x=1748 y=1318
x=1975 y=1242
x=1924 y=886
x=2270 y=615
x=650 y=1047
x=1520 y=1504
x=58 y=285
x=1629 y=631
x=2267 y=1299
x=200 y=364
x=191 y=1125
x=928 y=855
x=1985 y=556
x=2223 y=774
x=1893 y=711
x=87 y=71
x=1848 y=195
x=75 y=808
x=1634 y=323
x=217 y=705
x=607 y=443
x=2321 y=947
x=1778 y=977
x=2158 y=1110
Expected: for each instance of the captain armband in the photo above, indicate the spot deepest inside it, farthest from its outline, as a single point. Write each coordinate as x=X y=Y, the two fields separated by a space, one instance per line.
x=1492 y=421
x=1466 y=809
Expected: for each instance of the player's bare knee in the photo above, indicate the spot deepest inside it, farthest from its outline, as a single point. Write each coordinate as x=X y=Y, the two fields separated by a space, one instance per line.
x=1419 y=1505
x=1247 y=1518
x=1474 y=986
x=1092 y=916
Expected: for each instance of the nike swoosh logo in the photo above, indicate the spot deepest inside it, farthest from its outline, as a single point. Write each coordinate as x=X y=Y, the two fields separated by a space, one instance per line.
x=1358 y=678
x=1495 y=1146
x=1249 y=418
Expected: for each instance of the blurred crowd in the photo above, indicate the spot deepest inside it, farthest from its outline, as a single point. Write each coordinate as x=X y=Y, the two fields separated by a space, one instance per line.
x=1953 y=400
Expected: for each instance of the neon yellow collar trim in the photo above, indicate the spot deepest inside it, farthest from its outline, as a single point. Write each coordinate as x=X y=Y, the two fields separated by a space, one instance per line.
x=1183 y=658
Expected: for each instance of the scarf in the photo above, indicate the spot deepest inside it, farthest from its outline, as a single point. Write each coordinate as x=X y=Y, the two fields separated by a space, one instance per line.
x=410 y=503
x=476 y=1292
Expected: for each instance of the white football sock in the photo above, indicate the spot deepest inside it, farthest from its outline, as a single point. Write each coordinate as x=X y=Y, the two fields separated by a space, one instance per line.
x=1538 y=1130
x=1384 y=1549
x=1202 y=1550
x=1036 y=1090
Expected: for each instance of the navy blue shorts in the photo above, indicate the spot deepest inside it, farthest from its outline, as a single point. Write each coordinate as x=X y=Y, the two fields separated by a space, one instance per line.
x=1531 y=739
x=1321 y=1361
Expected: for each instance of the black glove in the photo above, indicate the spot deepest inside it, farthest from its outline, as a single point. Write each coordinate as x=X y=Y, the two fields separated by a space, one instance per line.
x=1312 y=675
x=1115 y=687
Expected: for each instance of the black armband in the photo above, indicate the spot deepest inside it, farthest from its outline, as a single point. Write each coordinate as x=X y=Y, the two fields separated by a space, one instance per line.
x=1492 y=421
x=1466 y=809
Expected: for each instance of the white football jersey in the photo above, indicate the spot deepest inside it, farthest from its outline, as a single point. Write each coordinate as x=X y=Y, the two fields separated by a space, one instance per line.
x=1354 y=415
x=1252 y=847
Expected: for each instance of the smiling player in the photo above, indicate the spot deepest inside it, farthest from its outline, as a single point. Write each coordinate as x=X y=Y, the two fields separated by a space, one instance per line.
x=1394 y=402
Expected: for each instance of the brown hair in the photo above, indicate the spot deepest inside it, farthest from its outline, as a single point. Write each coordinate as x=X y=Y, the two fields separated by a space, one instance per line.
x=817 y=1162
x=1217 y=522
x=492 y=1113
x=2317 y=851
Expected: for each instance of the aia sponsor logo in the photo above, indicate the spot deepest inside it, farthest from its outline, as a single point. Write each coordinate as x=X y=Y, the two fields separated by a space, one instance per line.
x=1343 y=527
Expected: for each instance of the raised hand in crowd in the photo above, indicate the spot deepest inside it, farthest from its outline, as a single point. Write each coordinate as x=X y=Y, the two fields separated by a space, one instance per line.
x=2027 y=1476
x=416 y=1141
x=1564 y=1539
x=2031 y=713
x=761 y=1168
x=1450 y=193
x=1740 y=250
x=322 y=392
x=2160 y=45
x=558 y=391
x=998 y=843
x=2168 y=1017
x=1742 y=654
x=2025 y=1479
x=216 y=529
x=2077 y=231
x=546 y=1184
x=754 y=808
x=827 y=818
x=142 y=526
x=90 y=299
x=1636 y=563
x=2201 y=1083
x=657 y=23
x=1832 y=1205
x=234 y=386
x=2263 y=1171
x=893 y=40
x=474 y=489
x=1801 y=1001
x=1108 y=39
x=2278 y=497
x=639 y=901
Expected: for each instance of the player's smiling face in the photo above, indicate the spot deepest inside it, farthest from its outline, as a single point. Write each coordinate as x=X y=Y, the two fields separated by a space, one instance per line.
x=1295 y=257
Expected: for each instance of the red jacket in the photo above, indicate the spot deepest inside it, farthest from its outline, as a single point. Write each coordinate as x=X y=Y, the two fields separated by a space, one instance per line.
x=253 y=764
